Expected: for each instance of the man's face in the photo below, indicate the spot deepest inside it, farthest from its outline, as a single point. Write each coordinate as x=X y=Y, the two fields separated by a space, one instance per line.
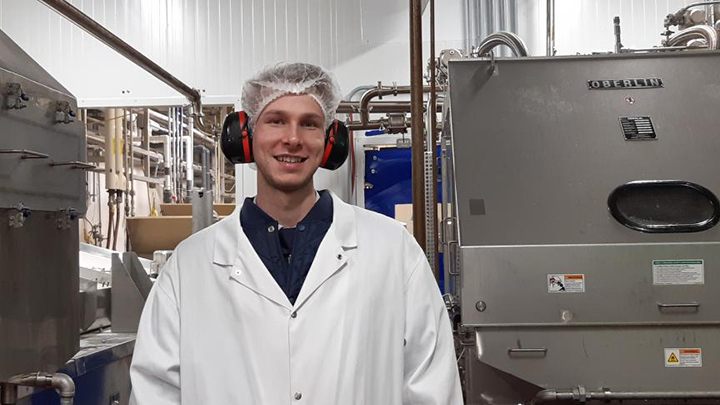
x=289 y=141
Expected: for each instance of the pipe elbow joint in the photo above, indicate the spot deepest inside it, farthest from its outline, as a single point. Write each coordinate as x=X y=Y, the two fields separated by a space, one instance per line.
x=64 y=385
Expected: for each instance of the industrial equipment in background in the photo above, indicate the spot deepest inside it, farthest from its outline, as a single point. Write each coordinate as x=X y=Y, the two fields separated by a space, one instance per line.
x=580 y=235
x=42 y=172
x=570 y=273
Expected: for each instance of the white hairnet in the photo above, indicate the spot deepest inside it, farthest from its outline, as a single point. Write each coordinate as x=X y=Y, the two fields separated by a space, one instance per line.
x=291 y=78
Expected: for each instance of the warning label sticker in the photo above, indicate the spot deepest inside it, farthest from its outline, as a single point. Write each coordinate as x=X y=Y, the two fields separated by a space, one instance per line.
x=566 y=283
x=678 y=272
x=675 y=357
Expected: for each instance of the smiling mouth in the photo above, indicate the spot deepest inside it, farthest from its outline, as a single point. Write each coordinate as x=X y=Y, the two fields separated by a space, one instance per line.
x=290 y=159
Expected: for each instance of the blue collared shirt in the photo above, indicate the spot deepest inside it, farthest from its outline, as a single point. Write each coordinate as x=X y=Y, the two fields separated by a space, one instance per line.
x=287 y=253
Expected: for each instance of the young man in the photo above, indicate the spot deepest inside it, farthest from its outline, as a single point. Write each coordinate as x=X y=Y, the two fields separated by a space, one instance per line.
x=297 y=297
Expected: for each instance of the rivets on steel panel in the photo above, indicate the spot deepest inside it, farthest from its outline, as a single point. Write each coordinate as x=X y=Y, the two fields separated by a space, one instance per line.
x=480 y=306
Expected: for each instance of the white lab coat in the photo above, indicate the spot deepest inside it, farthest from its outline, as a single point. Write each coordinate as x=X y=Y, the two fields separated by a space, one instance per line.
x=369 y=326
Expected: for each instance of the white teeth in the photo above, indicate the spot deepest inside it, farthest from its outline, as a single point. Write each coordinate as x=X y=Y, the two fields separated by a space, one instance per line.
x=288 y=159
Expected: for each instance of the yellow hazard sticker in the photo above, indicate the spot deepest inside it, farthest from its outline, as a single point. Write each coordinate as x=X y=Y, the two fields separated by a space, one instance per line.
x=683 y=357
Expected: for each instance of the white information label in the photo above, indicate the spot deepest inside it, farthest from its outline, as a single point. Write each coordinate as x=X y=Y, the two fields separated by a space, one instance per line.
x=676 y=357
x=678 y=272
x=566 y=283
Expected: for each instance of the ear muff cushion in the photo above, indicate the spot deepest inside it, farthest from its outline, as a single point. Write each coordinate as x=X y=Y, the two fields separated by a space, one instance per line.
x=337 y=146
x=236 y=138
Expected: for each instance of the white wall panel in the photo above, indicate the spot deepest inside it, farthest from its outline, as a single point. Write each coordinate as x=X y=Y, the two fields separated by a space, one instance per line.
x=214 y=45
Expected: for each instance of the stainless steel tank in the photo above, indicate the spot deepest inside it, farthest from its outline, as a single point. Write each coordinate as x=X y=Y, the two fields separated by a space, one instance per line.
x=586 y=192
x=42 y=193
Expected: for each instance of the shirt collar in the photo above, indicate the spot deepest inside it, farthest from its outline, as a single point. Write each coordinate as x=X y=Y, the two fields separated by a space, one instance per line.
x=252 y=215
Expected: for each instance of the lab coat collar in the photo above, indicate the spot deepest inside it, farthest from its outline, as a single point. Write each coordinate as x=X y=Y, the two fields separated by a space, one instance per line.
x=248 y=269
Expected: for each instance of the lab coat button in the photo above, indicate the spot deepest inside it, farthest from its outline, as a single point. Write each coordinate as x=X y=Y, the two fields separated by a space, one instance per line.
x=293 y=315
x=298 y=396
x=339 y=257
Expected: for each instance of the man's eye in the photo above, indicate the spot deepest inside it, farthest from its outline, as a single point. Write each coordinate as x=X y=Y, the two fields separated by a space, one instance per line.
x=275 y=121
x=311 y=125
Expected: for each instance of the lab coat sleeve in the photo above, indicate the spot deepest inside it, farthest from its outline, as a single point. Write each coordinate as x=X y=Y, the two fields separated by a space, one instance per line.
x=430 y=371
x=155 y=369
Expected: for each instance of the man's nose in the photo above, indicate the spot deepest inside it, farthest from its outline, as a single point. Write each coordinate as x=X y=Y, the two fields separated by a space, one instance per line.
x=292 y=137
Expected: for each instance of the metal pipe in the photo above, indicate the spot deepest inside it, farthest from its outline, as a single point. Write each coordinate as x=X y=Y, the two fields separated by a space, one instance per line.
x=431 y=181
x=509 y=39
x=119 y=148
x=131 y=162
x=357 y=90
x=380 y=91
x=111 y=211
x=8 y=394
x=580 y=395
x=105 y=36
x=166 y=141
x=127 y=142
x=618 y=41
x=189 y=174
x=110 y=176
x=377 y=107
x=416 y=119
x=196 y=133
x=62 y=383
x=550 y=28
x=118 y=201
x=359 y=126
x=709 y=34
x=689 y=6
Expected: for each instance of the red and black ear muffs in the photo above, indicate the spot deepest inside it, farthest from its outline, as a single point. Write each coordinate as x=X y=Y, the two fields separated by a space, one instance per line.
x=236 y=141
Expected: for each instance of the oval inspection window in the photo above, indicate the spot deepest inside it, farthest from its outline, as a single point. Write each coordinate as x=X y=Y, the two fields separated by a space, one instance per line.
x=664 y=206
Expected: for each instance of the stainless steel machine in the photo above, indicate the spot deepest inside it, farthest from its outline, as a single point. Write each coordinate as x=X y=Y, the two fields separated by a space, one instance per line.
x=585 y=211
x=42 y=194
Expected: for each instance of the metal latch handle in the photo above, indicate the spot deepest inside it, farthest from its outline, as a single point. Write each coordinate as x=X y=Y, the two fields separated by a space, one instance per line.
x=535 y=350
x=679 y=305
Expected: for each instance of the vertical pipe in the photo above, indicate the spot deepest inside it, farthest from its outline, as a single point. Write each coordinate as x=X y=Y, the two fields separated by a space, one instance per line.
x=110 y=176
x=119 y=148
x=416 y=100
x=8 y=394
x=445 y=215
x=173 y=143
x=131 y=162
x=432 y=225
x=550 y=28
x=618 y=38
x=127 y=141
x=189 y=152
x=471 y=31
x=181 y=152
